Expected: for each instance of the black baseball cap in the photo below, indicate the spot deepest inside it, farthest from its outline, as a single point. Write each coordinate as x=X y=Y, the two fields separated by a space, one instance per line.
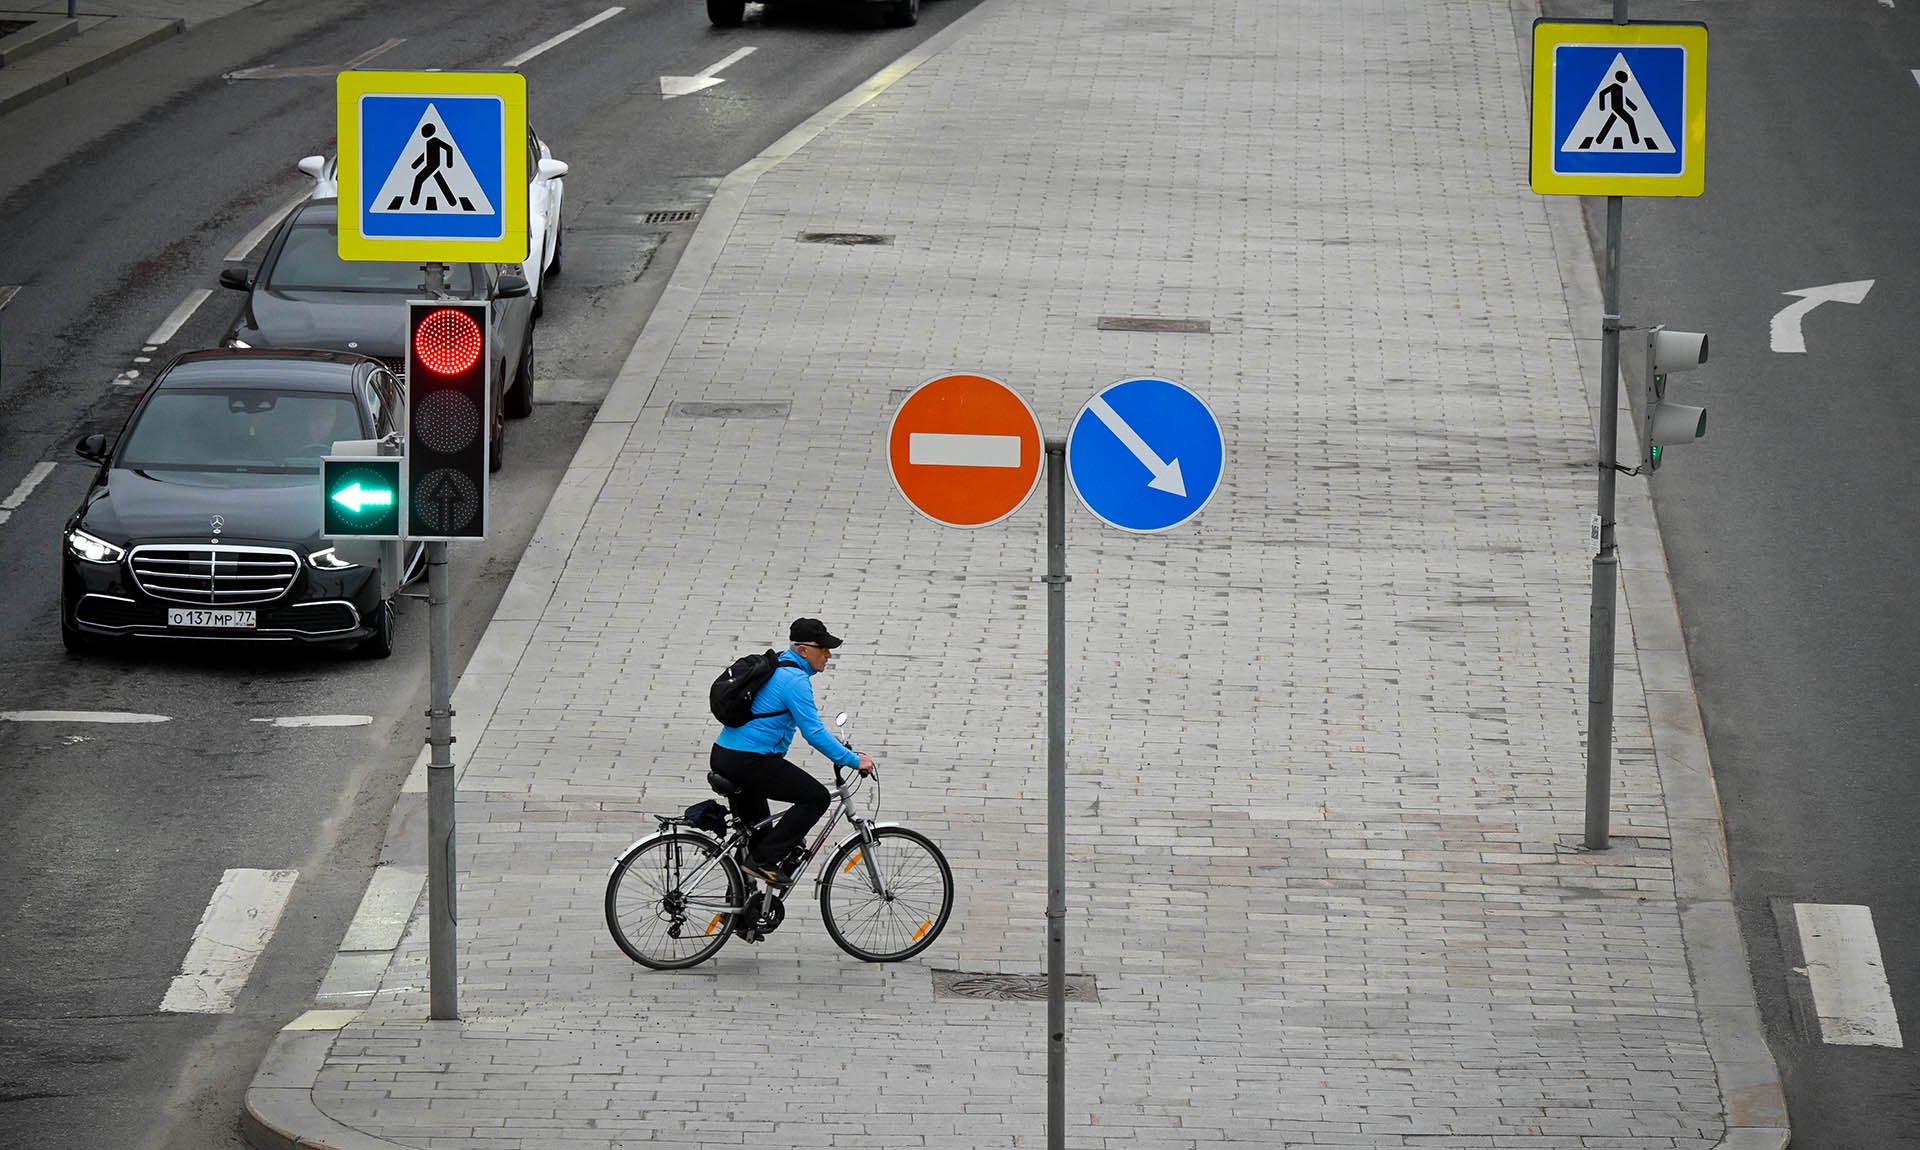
x=812 y=631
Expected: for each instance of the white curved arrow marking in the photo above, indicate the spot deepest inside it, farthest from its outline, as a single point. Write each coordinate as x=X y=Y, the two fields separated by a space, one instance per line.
x=1787 y=336
x=671 y=86
x=1166 y=476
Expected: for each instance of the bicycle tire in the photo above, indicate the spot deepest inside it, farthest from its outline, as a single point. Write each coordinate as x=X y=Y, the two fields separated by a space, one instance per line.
x=887 y=927
x=648 y=907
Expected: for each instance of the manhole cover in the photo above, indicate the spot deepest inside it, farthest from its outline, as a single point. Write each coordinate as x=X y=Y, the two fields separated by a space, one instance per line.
x=1154 y=323
x=849 y=239
x=1009 y=987
x=739 y=410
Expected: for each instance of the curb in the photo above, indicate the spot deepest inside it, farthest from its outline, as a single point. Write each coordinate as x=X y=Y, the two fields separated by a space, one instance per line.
x=39 y=60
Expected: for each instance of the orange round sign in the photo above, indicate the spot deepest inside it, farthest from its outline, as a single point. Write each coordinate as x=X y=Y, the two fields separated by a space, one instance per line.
x=965 y=450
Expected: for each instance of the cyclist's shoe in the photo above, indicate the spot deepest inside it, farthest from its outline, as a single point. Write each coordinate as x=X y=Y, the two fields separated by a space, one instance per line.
x=773 y=874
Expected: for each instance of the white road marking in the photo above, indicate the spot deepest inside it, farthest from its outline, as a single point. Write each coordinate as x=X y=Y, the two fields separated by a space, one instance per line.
x=1786 y=335
x=170 y=326
x=7 y=292
x=932 y=449
x=671 y=86
x=561 y=38
x=81 y=717
x=251 y=240
x=318 y=721
x=1848 y=976
x=232 y=934
x=35 y=474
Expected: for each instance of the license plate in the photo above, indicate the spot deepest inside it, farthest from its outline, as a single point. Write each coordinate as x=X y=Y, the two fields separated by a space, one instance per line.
x=199 y=617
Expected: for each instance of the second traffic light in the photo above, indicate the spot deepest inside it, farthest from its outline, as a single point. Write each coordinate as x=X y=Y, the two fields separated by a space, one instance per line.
x=1663 y=424
x=449 y=418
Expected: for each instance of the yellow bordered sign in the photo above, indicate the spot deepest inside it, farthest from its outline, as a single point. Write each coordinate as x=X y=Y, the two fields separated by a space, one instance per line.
x=433 y=166
x=1619 y=109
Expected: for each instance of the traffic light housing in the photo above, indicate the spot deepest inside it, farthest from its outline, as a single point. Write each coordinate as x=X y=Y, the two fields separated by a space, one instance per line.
x=360 y=497
x=1664 y=424
x=449 y=418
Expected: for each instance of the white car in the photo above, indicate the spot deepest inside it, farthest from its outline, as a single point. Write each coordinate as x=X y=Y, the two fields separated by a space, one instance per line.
x=546 y=186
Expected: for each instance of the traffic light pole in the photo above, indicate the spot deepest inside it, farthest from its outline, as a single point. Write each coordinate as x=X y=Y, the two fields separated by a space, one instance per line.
x=1056 y=793
x=1606 y=563
x=443 y=974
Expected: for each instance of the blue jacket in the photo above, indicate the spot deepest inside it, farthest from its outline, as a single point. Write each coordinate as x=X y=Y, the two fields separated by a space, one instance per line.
x=790 y=691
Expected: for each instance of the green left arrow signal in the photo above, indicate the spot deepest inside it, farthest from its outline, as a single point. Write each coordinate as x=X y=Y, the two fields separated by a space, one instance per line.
x=361 y=496
x=357 y=498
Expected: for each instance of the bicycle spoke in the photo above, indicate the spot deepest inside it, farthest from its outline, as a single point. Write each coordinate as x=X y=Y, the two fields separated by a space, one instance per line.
x=670 y=904
x=887 y=900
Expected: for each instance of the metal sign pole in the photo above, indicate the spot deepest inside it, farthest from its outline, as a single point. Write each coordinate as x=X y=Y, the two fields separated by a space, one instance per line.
x=1056 y=580
x=443 y=972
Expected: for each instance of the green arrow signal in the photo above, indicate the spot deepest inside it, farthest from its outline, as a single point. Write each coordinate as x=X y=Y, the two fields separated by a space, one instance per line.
x=355 y=499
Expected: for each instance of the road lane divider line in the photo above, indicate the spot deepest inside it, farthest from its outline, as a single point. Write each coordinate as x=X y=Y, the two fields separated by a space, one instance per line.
x=562 y=38
x=251 y=240
x=1847 y=975
x=81 y=717
x=170 y=326
x=233 y=933
x=35 y=474
x=7 y=292
x=318 y=721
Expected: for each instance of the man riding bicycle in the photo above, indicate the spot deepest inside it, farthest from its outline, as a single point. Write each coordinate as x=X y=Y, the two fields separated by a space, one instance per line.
x=752 y=756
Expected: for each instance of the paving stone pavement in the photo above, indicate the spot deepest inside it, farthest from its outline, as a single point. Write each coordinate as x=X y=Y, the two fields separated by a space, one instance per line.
x=1326 y=741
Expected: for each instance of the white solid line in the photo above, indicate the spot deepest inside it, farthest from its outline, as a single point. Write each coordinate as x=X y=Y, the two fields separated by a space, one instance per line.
x=931 y=449
x=173 y=323
x=251 y=240
x=80 y=717
x=319 y=721
x=1849 y=979
x=7 y=292
x=240 y=918
x=35 y=474
x=561 y=38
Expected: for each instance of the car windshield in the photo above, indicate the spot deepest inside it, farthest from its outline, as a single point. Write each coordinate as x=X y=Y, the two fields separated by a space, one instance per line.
x=243 y=430
x=310 y=261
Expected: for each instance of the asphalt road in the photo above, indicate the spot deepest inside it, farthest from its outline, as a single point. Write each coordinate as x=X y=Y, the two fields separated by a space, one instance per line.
x=124 y=194
x=1788 y=529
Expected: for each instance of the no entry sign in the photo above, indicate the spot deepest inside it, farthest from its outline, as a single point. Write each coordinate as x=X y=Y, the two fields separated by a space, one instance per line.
x=965 y=450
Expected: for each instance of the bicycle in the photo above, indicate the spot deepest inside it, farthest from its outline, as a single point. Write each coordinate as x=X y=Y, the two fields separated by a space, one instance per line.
x=675 y=897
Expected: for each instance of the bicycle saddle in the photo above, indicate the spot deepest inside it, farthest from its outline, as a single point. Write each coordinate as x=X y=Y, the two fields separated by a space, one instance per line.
x=722 y=785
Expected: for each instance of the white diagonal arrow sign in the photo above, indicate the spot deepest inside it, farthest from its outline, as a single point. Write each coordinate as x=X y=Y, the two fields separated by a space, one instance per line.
x=1166 y=476
x=671 y=86
x=1786 y=333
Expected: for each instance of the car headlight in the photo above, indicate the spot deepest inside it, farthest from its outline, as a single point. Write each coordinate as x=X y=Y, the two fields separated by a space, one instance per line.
x=92 y=548
x=328 y=561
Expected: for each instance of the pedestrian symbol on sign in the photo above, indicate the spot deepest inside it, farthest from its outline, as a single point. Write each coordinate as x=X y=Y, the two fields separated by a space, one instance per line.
x=431 y=175
x=1618 y=117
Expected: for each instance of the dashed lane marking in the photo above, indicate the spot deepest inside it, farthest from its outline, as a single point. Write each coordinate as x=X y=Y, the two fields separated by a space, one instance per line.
x=1847 y=975
x=562 y=38
x=35 y=474
x=171 y=326
x=81 y=717
x=234 y=931
x=318 y=721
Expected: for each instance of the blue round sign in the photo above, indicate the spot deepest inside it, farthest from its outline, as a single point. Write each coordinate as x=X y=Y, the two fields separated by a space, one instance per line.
x=1145 y=454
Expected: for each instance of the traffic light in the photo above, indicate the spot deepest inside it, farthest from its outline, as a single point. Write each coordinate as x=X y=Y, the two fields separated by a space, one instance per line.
x=360 y=497
x=449 y=418
x=1662 y=423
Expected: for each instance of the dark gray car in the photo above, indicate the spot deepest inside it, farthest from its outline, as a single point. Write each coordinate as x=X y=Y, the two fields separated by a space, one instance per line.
x=306 y=296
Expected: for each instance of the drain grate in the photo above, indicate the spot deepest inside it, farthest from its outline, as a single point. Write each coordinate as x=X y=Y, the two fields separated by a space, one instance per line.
x=1009 y=987
x=1154 y=323
x=747 y=409
x=674 y=217
x=846 y=239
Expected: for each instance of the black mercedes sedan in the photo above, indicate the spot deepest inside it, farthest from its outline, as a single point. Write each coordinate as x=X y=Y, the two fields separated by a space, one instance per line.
x=305 y=295
x=204 y=519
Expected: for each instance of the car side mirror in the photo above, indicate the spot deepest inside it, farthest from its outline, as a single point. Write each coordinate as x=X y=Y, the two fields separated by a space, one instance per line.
x=93 y=447
x=552 y=169
x=512 y=286
x=315 y=166
x=239 y=279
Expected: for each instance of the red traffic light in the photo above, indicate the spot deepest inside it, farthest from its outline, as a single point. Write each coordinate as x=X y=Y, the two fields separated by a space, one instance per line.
x=447 y=341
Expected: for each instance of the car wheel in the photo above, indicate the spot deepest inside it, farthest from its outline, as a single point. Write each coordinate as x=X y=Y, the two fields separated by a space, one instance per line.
x=726 y=13
x=903 y=13
x=520 y=396
x=380 y=644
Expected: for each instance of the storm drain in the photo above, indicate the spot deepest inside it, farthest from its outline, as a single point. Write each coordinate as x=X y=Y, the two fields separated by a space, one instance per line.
x=674 y=217
x=845 y=239
x=1009 y=987
x=741 y=410
x=1155 y=323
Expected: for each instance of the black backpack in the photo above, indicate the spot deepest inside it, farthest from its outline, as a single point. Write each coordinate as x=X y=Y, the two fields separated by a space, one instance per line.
x=731 y=696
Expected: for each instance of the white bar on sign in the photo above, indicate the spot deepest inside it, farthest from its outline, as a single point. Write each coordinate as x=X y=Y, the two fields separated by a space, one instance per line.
x=1848 y=976
x=240 y=918
x=935 y=450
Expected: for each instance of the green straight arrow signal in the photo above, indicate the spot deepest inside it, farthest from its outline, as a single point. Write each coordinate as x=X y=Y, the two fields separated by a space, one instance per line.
x=355 y=499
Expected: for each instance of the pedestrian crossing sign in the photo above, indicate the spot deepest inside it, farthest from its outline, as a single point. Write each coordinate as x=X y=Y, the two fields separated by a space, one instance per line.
x=1619 y=109
x=433 y=166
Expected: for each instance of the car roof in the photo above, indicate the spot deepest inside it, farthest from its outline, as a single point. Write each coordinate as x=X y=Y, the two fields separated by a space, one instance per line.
x=277 y=369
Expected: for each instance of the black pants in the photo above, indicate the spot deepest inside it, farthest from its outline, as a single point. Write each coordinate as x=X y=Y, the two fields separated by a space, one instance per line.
x=763 y=777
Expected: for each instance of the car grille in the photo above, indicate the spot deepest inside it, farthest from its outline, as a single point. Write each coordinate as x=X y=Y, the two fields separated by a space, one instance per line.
x=217 y=574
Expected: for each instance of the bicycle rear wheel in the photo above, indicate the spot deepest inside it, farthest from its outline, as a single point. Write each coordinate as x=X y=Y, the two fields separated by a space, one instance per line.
x=889 y=900
x=671 y=900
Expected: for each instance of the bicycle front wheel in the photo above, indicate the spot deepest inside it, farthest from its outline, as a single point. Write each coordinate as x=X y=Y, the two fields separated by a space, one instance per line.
x=889 y=899
x=671 y=900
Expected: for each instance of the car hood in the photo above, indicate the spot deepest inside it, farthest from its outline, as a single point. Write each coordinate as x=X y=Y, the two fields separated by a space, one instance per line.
x=371 y=323
x=131 y=507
